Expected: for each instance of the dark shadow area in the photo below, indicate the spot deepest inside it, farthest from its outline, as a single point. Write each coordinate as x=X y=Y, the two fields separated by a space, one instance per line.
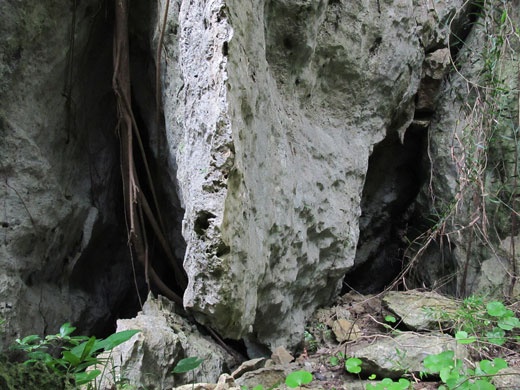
x=395 y=174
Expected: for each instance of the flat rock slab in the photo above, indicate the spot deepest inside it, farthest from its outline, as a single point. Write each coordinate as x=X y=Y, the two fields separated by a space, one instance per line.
x=392 y=357
x=345 y=330
x=421 y=310
x=249 y=365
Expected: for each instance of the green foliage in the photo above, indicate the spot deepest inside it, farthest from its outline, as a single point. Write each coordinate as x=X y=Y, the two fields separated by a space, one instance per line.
x=78 y=353
x=298 y=378
x=187 y=364
x=477 y=321
x=389 y=384
x=455 y=376
x=311 y=344
x=391 y=319
x=353 y=365
x=334 y=361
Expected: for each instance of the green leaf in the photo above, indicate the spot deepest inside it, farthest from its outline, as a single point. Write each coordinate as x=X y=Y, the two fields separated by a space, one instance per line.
x=66 y=329
x=72 y=359
x=116 y=339
x=509 y=323
x=463 y=338
x=481 y=384
x=390 y=319
x=82 y=378
x=334 y=361
x=29 y=339
x=403 y=384
x=491 y=368
x=187 y=364
x=435 y=363
x=496 y=336
x=298 y=378
x=352 y=365
x=496 y=309
x=372 y=377
x=258 y=387
x=88 y=348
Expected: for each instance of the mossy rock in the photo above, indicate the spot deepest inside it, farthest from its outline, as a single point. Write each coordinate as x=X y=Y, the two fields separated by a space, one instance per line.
x=16 y=376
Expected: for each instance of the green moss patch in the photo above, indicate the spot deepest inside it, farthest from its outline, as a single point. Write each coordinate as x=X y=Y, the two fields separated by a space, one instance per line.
x=16 y=376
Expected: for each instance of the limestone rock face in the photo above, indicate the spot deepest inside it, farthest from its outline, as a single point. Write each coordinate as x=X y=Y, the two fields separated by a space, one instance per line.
x=272 y=109
x=54 y=192
x=472 y=177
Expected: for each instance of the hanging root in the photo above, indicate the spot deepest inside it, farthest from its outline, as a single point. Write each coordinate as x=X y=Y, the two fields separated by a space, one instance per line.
x=137 y=208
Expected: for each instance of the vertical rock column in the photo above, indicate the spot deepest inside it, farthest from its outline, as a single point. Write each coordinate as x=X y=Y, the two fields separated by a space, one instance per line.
x=272 y=109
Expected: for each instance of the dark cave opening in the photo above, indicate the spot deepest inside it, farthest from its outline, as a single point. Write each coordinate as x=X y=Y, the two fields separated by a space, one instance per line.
x=396 y=172
x=116 y=287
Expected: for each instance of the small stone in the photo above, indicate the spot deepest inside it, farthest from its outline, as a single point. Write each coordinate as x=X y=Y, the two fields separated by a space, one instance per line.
x=281 y=356
x=247 y=366
x=345 y=330
x=225 y=382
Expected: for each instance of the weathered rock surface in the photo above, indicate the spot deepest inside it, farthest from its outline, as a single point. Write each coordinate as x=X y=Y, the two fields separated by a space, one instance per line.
x=165 y=338
x=472 y=174
x=249 y=365
x=392 y=357
x=58 y=168
x=272 y=110
x=509 y=380
x=420 y=310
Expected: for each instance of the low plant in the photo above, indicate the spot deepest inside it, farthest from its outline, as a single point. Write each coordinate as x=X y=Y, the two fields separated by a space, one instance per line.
x=389 y=384
x=78 y=353
x=455 y=376
x=485 y=322
x=187 y=365
x=336 y=359
x=353 y=365
x=298 y=378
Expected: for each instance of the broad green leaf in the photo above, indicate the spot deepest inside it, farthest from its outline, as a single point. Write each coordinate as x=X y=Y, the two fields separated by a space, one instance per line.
x=509 y=323
x=435 y=363
x=491 y=368
x=481 y=384
x=72 y=359
x=66 y=329
x=88 y=348
x=403 y=384
x=116 y=339
x=187 y=364
x=298 y=378
x=463 y=338
x=372 y=377
x=496 y=309
x=30 y=339
x=496 y=336
x=390 y=318
x=352 y=365
x=82 y=378
x=258 y=387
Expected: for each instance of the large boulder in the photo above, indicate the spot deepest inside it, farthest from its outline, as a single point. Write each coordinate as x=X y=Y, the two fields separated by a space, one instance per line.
x=419 y=310
x=393 y=357
x=272 y=109
x=165 y=338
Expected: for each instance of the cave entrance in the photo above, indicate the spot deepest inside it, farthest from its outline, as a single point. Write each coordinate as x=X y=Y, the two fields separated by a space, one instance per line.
x=396 y=172
x=107 y=274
